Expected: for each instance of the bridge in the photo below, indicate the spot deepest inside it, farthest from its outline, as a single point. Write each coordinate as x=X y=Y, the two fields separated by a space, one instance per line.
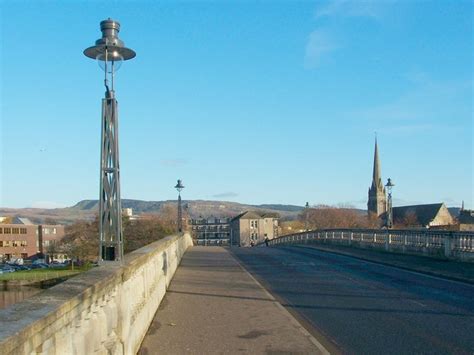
x=318 y=292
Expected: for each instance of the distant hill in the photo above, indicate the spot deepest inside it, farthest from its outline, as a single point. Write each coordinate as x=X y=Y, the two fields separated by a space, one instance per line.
x=88 y=209
x=195 y=208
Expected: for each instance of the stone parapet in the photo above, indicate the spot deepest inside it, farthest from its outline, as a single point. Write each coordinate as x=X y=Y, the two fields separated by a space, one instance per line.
x=106 y=310
x=440 y=244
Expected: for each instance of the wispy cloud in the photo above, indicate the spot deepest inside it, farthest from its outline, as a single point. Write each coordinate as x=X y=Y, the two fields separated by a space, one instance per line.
x=374 y=9
x=427 y=105
x=319 y=43
x=173 y=162
x=226 y=195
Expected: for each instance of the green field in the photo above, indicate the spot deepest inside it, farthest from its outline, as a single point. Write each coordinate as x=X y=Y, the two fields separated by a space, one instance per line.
x=43 y=274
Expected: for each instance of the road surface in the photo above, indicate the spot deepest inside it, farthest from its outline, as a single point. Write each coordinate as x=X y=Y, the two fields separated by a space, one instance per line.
x=361 y=307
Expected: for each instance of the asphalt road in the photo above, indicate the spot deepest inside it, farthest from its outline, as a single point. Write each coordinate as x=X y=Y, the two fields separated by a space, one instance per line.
x=366 y=308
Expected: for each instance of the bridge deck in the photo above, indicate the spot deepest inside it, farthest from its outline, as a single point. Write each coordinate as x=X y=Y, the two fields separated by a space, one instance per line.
x=215 y=306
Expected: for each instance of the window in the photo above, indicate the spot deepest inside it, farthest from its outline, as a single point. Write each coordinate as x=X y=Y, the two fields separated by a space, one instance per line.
x=24 y=255
x=22 y=230
x=1 y=230
x=1 y=243
x=256 y=224
x=7 y=230
x=23 y=243
x=6 y=243
x=16 y=243
x=15 y=230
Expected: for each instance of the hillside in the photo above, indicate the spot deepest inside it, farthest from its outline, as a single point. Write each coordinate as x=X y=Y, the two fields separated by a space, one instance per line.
x=88 y=209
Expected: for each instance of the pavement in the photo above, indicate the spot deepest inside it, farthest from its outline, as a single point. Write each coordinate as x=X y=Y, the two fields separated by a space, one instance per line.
x=365 y=307
x=214 y=306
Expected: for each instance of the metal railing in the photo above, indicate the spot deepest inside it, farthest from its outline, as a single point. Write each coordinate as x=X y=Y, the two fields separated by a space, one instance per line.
x=453 y=245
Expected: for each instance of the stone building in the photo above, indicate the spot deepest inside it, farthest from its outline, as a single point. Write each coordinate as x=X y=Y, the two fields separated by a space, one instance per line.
x=251 y=227
x=210 y=231
x=466 y=220
x=426 y=216
x=377 y=203
x=20 y=240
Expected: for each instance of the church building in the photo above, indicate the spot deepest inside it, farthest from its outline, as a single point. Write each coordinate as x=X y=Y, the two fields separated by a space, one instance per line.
x=417 y=216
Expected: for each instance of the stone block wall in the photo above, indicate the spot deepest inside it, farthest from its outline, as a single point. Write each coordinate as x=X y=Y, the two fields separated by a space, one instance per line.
x=106 y=310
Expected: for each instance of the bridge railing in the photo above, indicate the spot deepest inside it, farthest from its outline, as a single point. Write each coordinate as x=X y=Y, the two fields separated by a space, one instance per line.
x=453 y=245
x=106 y=310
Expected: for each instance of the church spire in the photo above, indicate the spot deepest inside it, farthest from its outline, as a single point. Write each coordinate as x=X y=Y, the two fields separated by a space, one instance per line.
x=377 y=203
x=376 y=176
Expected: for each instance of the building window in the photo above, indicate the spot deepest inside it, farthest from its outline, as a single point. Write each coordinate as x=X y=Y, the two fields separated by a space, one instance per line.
x=1 y=243
x=16 y=243
x=23 y=243
x=6 y=243
x=22 y=230
x=7 y=230
x=24 y=255
x=1 y=230
x=256 y=224
x=15 y=230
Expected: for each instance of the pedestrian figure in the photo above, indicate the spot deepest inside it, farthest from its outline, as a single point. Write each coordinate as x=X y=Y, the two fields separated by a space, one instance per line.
x=266 y=241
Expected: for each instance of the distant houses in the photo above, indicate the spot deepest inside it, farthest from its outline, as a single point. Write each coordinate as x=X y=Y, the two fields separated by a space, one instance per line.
x=251 y=227
x=246 y=229
x=21 y=239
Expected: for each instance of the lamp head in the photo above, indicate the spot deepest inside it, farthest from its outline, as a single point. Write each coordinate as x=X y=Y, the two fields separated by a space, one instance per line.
x=179 y=186
x=389 y=185
x=110 y=48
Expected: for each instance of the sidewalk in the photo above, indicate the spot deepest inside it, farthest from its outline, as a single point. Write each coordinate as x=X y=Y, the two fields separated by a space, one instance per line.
x=450 y=269
x=213 y=306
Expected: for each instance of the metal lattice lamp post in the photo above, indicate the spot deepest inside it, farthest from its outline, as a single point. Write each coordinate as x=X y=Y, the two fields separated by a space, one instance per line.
x=179 y=186
x=110 y=52
x=389 y=185
x=306 y=209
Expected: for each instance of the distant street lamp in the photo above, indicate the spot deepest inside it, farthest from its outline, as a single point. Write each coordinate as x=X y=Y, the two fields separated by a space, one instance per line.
x=110 y=51
x=389 y=185
x=306 y=209
x=179 y=186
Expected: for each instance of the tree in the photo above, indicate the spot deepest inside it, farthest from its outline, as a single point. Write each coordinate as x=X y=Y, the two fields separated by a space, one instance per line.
x=326 y=217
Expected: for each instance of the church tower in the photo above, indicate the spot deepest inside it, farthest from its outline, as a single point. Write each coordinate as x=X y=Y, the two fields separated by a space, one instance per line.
x=377 y=203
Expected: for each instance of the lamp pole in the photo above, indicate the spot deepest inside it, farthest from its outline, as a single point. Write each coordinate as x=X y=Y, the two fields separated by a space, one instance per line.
x=306 y=209
x=179 y=186
x=389 y=185
x=110 y=52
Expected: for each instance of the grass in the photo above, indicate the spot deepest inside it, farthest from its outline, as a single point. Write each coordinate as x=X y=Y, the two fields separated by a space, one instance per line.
x=43 y=274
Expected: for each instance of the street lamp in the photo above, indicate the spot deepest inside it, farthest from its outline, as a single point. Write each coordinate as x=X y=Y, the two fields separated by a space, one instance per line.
x=306 y=209
x=179 y=186
x=389 y=185
x=110 y=52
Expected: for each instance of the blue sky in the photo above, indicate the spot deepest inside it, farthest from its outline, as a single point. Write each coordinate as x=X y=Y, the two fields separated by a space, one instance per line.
x=254 y=102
